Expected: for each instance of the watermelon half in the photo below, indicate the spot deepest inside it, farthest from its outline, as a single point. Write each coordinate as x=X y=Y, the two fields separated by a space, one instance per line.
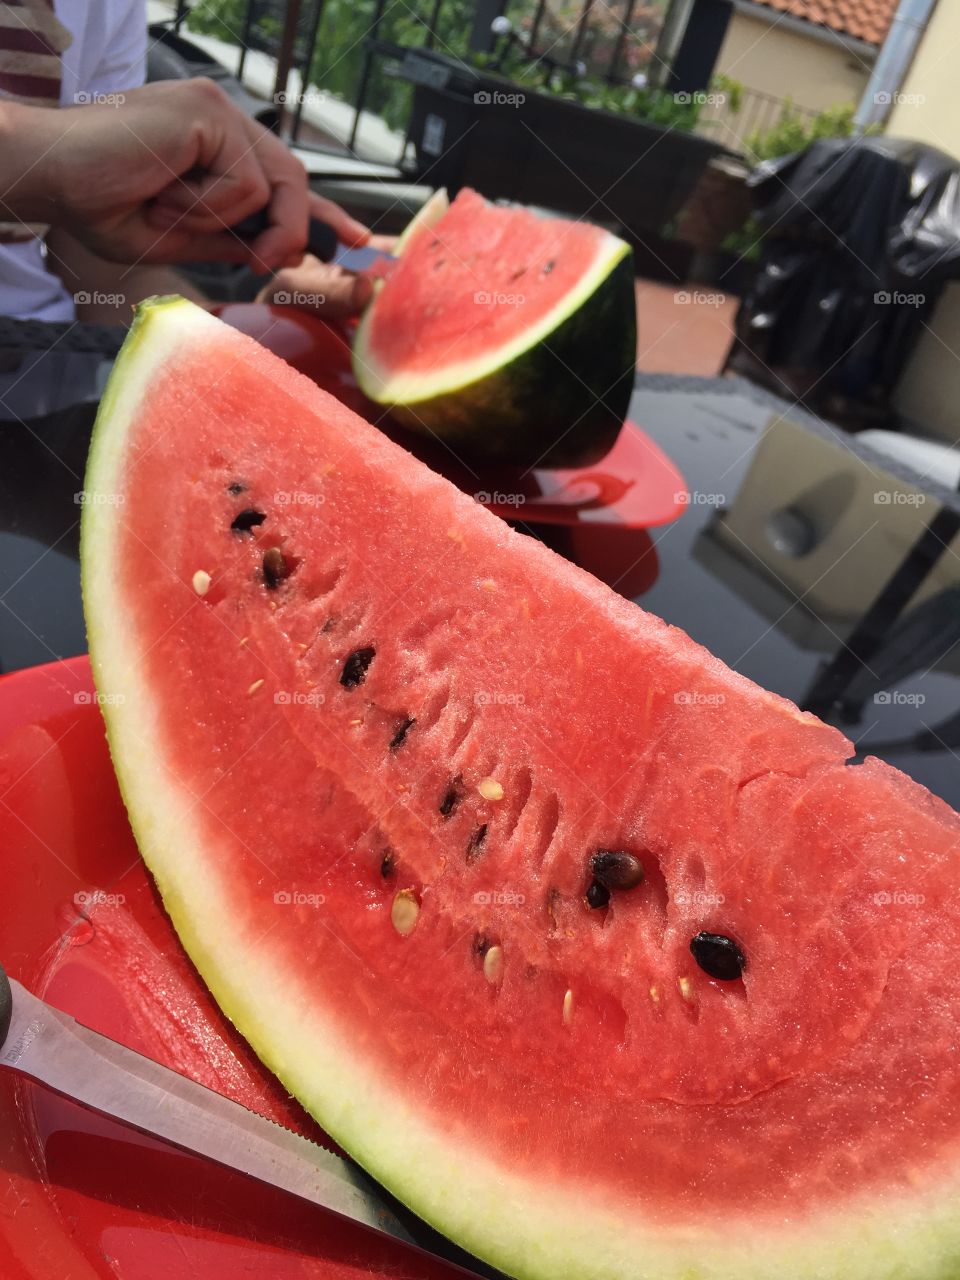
x=443 y=821
x=506 y=334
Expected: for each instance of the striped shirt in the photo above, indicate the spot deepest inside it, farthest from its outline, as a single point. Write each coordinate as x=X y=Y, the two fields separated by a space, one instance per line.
x=64 y=54
x=32 y=41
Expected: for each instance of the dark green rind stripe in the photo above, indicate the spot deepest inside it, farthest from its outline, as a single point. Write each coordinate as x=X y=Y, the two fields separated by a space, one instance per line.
x=562 y=402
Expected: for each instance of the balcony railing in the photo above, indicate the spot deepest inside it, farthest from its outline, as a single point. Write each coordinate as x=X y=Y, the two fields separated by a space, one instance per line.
x=360 y=52
x=353 y=49
x=738 y=125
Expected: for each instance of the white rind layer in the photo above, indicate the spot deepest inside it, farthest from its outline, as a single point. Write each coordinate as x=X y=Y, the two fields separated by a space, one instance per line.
x=531 y=1229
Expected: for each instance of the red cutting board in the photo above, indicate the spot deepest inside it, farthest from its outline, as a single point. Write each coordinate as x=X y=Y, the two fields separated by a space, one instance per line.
x=81 y=926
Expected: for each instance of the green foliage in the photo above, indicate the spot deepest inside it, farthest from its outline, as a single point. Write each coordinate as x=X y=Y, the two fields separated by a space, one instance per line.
x=224 y=19
x=745 y=242
x=730 y=88
x=671 y=110
x=794 y=131
x=337 y=62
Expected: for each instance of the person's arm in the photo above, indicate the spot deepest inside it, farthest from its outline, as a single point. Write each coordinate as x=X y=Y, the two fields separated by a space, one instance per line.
x=106 y=292
x=161 y=177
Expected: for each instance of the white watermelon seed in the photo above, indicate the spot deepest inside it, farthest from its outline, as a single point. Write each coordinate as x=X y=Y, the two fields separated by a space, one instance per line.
x=655 y=994
x=201 y=582
x=567 y=1008
x=686 y=988
x=490 y=789
x=493 y=965
x=405 y=912
x=255 y=686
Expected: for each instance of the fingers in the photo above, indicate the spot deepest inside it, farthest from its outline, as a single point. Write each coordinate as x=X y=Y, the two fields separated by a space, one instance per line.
x=227 y=181
x=241 y=170
x=318 y=287
x=285 y=239
x=215 y=201
x=229 y=167
x=349 y=231
x=180 y=246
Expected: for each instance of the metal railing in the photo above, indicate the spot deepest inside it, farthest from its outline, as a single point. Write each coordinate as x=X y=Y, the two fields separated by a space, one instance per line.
x=737 y=126
x=364 y=66
x=609 y=40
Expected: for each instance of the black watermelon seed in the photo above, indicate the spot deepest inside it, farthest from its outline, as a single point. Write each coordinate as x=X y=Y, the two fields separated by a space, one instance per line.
x=236 y=488
x=598 y=895
x=475 y=843
x=718 y=956
x=616 y=870
x=452 y=797
x=247 y=520
x=275 y=567
x=356 y=666
x=548 y=267
x=387 y=864
x=398 y=739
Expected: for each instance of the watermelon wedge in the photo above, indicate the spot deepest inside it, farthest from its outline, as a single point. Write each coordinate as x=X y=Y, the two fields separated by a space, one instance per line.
x=508 y=335
x=599 y=956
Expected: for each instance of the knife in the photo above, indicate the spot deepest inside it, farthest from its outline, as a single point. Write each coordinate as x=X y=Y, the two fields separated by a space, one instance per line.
x=323 y=243
x=55 y=1050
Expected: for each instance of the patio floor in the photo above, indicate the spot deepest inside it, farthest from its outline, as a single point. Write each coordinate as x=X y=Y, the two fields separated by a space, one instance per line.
x=683 y=328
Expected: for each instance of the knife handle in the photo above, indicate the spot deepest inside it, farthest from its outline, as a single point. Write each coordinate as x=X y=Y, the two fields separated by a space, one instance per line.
x=6 y=1005
x=322 y=240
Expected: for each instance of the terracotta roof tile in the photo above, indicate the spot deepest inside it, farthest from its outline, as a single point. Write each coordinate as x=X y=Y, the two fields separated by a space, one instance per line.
x=867 y=20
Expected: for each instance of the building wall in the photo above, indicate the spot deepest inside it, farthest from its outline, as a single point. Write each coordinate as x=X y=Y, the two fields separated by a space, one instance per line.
x=772 y=60
x=769 y=58
x=926 y=109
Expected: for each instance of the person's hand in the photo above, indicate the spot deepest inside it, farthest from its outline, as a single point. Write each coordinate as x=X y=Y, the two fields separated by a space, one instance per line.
x=318 y=286
x=323 y=287
x=162 y=176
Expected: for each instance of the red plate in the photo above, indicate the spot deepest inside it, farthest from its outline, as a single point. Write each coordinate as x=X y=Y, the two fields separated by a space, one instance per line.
x=81 y=926
x=635 y=486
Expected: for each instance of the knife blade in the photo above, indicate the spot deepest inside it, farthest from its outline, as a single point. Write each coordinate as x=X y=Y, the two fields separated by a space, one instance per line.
x=56 y=1051
x=323 y=243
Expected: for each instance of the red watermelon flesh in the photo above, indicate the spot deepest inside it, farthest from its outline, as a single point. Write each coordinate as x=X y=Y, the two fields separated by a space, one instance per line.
x=303 y=760
x=498 y=270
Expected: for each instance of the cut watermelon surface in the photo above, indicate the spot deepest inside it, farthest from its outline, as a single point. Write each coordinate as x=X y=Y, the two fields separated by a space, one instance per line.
x=505 y=333
x=439 y=817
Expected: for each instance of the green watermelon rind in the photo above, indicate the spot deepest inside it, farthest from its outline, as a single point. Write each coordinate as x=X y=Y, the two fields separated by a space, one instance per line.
x=559 y=392
x=534 y=1230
